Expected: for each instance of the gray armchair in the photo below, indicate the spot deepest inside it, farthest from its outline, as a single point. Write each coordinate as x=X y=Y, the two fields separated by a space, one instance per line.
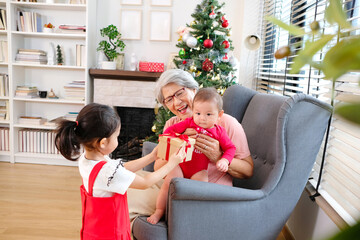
x=284 y=136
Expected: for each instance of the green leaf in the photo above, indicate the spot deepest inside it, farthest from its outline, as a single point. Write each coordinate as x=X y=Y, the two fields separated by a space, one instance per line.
x=334 y=13
x=350 y=112
x=306 y=54
x=342 y=58
x=292 y=29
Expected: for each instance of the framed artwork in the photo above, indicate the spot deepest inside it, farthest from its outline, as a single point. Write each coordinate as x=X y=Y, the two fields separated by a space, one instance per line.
x=130 y=24
x=160 y=25
x=131 y=2
x=171 y=64
x=164 y=3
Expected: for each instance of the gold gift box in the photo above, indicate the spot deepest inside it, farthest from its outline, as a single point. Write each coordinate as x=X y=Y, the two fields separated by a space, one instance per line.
x=175 y=144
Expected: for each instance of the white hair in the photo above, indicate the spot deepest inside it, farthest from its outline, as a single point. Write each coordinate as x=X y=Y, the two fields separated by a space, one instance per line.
x=177 y=76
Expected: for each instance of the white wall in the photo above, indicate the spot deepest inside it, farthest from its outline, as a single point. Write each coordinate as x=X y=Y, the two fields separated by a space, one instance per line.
x=309 y=221
x=109 y=13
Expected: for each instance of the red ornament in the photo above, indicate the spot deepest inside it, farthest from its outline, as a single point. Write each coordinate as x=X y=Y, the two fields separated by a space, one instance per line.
x=225 y=24
x=226 y=44
x=223 y=18
x=208 y=43
x=184 y=62
x=225 y=58
x=207 y=65
x=212 y=15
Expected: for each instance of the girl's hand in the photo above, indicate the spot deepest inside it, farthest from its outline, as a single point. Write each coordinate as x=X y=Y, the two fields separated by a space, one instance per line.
x=154 y=153
x=178 y=157
x=222 y=165
x=208 y=146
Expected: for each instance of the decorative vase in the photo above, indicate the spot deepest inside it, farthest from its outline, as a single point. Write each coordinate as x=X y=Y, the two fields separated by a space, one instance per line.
x=48 y=30
x=120 y=61
x=109 y=65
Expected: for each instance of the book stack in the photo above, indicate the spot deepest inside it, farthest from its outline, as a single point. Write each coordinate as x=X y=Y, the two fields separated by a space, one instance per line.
x=29 y=22
x=4 y=110
x=71 y=116
x=37 y=141
x=26 y=92
x=3 y=22
x=75 y=90
x=4 y=85
x=73 y=29
x=31 y=120
x=33 y=56
x=4 y=139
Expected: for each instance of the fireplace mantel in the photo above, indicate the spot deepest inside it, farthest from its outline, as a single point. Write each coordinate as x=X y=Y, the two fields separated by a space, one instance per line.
x=124 y=75
x=124 y=88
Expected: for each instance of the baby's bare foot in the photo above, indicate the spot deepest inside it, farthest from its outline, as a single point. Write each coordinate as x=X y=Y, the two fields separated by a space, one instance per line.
x=156 y=216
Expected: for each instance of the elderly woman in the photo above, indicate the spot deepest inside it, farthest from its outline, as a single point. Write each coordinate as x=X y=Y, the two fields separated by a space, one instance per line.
x=176 y=89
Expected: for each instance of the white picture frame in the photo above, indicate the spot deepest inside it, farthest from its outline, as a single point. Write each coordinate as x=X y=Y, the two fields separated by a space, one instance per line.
x=160 y=25
x=131 y=24
x=162 y=3
x=171 y=64
x=131 y=2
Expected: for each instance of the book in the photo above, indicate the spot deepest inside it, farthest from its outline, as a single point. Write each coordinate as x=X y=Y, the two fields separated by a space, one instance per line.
x=3 y=18
x=31 y=51
x=31 y=120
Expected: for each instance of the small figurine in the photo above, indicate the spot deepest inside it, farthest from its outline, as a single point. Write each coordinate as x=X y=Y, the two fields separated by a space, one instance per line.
x=52 y=94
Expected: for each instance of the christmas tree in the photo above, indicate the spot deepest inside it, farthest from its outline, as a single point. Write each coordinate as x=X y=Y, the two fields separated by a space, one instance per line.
x=205 y=52
x=205 y=47
x=59 y=57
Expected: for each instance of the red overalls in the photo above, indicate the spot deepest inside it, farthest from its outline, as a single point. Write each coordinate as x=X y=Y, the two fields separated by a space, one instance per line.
x=103 y=217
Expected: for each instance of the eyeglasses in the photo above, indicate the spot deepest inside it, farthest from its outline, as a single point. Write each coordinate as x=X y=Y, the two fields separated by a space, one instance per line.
x=178 y=94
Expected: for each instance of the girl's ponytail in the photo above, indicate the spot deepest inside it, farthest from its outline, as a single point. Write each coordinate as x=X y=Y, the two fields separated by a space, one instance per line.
x=66 y=141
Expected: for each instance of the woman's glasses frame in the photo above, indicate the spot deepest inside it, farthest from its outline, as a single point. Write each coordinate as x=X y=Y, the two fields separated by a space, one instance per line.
x=178 y=94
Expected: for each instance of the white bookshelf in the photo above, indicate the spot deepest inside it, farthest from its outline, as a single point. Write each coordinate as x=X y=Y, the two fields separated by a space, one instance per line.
x=45 y=77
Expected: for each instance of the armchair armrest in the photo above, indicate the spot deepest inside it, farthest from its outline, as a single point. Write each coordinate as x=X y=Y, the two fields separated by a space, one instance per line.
x=186 y=189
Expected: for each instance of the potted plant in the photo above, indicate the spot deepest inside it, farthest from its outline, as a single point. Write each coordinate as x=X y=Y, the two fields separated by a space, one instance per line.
x=111 y=46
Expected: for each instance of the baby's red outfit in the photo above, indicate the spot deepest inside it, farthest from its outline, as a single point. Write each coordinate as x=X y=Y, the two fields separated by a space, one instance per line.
x=199 y=161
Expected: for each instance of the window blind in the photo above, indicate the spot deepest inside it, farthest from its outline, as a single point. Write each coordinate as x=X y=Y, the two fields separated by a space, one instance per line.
x=340 y=181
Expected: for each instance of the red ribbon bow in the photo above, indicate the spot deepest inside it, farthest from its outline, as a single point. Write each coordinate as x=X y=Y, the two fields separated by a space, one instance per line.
x=174 y=135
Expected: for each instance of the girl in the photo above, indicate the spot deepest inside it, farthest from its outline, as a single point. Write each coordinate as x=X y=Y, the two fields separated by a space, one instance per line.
x=105 y=181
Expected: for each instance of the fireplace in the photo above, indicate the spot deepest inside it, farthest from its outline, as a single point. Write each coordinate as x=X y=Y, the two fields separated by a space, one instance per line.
x=131 y=93
x=136 y=124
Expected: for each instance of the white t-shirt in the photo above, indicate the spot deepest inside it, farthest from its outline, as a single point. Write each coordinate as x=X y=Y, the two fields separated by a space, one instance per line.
x=119 y=183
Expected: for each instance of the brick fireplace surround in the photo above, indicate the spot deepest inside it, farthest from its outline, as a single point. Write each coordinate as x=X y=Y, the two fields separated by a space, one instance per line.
x=124 y=88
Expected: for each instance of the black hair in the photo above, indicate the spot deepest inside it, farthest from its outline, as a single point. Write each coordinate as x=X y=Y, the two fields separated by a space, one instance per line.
x=209 y=94
x=93 y=123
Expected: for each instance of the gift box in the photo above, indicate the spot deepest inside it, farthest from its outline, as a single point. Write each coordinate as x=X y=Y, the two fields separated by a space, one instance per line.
x=151 y=67
x=169 y=144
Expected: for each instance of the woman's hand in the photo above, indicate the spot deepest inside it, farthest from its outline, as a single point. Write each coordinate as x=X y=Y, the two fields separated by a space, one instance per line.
x=190 y=132
x=208 y=146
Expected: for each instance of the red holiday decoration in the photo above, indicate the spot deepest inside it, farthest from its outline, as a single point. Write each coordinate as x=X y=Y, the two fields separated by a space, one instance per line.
x=225 y=58
x=208 y=43
x=207 y=65
x=223 y=18
x=184 y=62
x=212 y=15
x=226 y=44
x=225 y=24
